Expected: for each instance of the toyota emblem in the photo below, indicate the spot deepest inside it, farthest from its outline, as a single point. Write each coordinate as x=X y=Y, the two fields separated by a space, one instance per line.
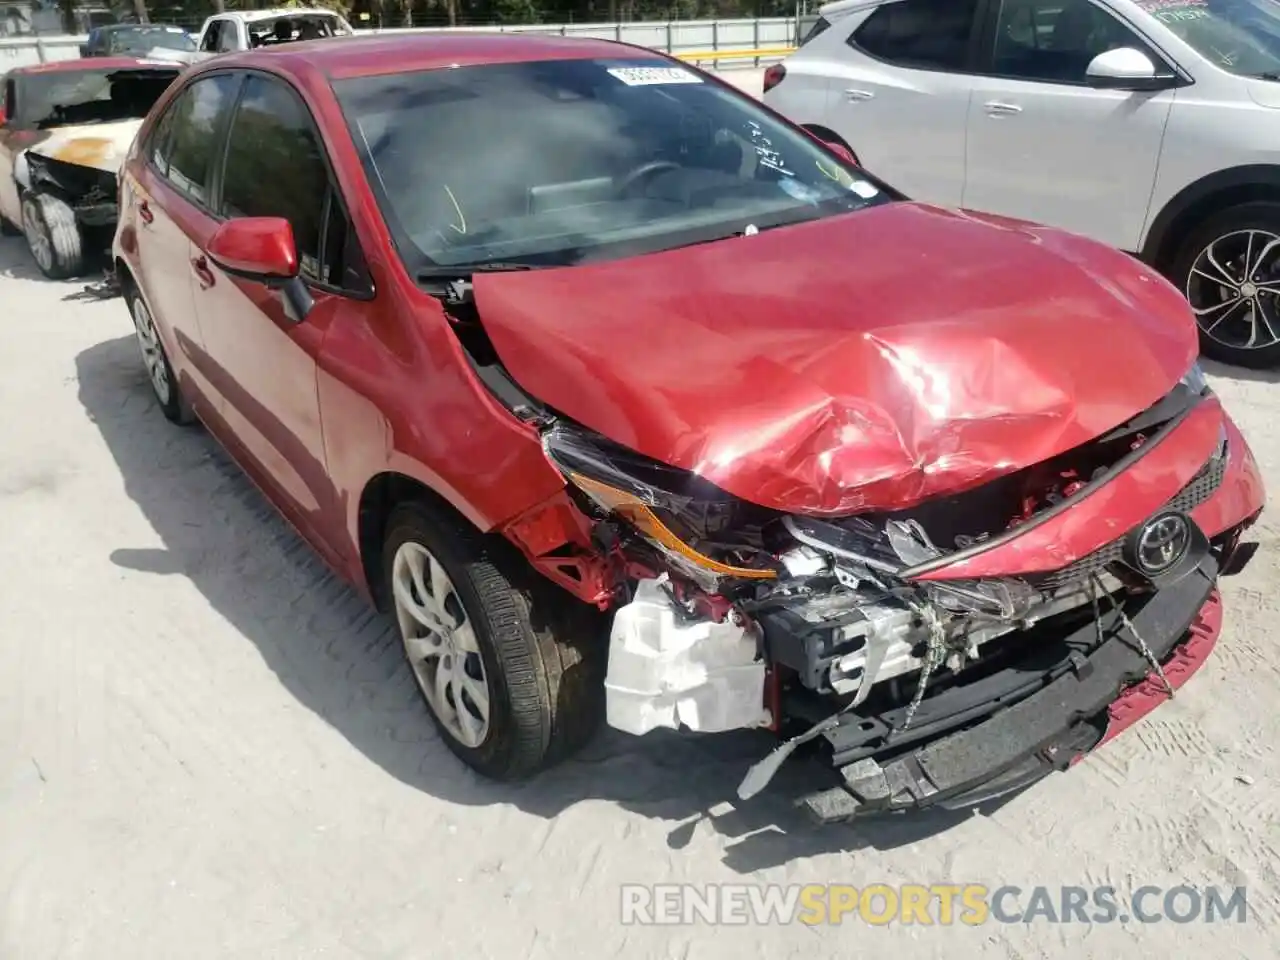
x=1161 y=542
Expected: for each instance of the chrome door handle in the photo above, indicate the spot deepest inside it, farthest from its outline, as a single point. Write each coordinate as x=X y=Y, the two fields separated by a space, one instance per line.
x=858 y=95
x=997 y=109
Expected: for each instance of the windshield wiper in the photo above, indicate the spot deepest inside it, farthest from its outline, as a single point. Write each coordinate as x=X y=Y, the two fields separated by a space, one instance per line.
x=1267 y=75
x=463 y=271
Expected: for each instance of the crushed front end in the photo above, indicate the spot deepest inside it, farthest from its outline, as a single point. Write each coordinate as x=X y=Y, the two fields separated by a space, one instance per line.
x=942 y=654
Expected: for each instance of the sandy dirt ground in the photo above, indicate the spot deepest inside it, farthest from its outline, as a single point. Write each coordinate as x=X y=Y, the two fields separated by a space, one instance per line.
x=209 y=748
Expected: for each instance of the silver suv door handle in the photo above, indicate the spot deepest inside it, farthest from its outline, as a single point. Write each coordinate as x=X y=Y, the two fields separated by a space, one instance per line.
x=858 y=94
x=997 y=109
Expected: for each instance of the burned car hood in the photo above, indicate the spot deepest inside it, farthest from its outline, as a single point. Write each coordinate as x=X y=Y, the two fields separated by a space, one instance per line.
x=872 y=360
x=102 y=146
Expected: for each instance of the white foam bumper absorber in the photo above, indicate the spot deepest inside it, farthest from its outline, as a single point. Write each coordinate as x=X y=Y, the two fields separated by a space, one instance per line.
x=666 y=673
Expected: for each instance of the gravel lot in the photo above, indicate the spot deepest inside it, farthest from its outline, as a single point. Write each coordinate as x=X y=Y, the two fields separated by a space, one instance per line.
x=209 y=747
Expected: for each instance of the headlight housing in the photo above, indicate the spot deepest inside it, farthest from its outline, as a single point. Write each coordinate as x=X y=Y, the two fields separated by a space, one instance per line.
x=705 y=533
x=1194 y=379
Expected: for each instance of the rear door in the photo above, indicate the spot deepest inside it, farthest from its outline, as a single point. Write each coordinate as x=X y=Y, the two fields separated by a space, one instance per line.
x=276 y=166
x=170 y=205
x=1045 y=146
x=900 y=92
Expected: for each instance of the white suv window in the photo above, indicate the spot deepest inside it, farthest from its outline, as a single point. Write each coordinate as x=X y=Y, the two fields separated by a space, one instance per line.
x=928 y=34
x=1055 y=40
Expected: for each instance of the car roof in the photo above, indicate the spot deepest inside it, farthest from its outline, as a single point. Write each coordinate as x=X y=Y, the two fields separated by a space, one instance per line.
x=149 y=27
x=383 y=54
x=249 y=16
x=93 y=65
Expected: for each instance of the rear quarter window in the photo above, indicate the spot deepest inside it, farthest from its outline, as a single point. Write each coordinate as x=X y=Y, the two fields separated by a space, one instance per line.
x=926 y=34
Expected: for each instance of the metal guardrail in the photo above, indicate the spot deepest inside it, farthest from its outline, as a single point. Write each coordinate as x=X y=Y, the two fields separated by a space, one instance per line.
x=736 y=43
x=716 y=57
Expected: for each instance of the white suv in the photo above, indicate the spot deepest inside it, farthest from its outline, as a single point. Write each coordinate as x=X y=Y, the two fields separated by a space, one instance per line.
x=1150 y=125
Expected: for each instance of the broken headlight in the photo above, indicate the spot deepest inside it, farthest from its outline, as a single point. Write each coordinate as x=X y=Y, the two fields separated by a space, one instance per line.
x=703 y=532
x=1194 y=379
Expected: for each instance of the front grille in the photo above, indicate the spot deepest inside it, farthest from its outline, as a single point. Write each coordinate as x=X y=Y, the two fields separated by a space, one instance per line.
x=1199 y=489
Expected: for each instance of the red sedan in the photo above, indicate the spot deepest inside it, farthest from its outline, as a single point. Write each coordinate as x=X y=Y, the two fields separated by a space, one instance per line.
x=628 y=398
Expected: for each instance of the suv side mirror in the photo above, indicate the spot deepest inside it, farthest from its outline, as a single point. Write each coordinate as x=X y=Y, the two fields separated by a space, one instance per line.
x=1125 y=68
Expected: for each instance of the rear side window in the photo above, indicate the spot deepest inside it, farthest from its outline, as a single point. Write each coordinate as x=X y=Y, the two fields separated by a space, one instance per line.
x=188 y=136
x=272 y=132
x=812 y=30
x=928 y=34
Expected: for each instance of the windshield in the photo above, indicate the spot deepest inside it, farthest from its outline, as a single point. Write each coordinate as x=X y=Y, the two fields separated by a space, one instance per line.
x=1240 y=36
x=557 y=162
x=88 y=96
x=142 y=39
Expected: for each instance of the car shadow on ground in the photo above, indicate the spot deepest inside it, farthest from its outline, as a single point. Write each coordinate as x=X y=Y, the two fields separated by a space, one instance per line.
x=342 y=661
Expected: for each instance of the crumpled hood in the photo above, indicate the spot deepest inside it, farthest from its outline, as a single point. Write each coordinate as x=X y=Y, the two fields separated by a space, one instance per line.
x=102 y=146
x=867 y=361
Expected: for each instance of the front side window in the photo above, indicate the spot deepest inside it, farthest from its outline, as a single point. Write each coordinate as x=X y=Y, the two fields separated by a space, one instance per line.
x=1055 y=40
x=271 y=133
x=567 y=161
x=89 y=96
x=192 y=141
x=1239 y=36
x=209 y=42
x=927 y=34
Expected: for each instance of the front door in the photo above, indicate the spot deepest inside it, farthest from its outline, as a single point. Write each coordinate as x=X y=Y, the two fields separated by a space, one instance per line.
x=11 y=142
x=1042 y=145
x=266 y=360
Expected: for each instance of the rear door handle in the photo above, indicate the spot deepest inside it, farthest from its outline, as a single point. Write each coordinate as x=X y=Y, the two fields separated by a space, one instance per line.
x=854 y=94
x=996 y=108
x=201 y=267
x=144 y=212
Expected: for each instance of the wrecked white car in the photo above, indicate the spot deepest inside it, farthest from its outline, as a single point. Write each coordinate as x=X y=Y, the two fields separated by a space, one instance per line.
x=65 y=128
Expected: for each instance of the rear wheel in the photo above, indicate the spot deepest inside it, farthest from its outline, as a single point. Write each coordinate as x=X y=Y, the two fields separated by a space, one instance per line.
x=53 y=236
x=1229 y=270
x=509 y=667
x=163 y=382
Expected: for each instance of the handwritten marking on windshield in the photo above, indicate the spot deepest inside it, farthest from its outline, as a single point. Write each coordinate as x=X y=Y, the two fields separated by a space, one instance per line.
x=461 y=225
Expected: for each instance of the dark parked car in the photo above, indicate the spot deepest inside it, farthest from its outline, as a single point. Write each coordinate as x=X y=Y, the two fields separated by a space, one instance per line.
x=625 y=395
x=135 y=39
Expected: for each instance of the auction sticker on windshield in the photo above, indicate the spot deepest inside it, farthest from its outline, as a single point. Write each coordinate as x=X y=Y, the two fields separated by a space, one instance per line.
x=649 y=76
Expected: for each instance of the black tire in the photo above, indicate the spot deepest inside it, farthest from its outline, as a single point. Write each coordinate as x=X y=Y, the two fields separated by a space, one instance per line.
x=1218 y=231
x=542 y=650
x=169 y=397
x=53 y=236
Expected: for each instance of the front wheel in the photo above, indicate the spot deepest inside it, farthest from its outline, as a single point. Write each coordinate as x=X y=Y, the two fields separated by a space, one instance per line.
x=53 y=236
x=1229 y=270
x=509 y=669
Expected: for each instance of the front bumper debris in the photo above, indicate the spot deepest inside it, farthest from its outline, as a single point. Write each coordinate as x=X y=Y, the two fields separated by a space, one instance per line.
x=1048 y=730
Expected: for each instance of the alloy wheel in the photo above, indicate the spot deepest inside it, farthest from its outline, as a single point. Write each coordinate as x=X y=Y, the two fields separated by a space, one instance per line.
x=440 y=642
x=38 y=239
x=152 y=355
x=1234 y=289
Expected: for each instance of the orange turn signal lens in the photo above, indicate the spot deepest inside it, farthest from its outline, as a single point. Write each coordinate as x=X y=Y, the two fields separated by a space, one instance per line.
x=639 y=514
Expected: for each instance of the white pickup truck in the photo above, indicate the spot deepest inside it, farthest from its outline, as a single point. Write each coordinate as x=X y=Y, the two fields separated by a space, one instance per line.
x=249 y=29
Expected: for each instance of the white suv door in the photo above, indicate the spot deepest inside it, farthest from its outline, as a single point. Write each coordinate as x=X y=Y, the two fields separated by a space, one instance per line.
x=1045 y=146
x=898 y=93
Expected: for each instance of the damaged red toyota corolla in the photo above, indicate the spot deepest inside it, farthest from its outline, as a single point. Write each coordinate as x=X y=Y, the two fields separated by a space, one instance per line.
x=627 y=397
